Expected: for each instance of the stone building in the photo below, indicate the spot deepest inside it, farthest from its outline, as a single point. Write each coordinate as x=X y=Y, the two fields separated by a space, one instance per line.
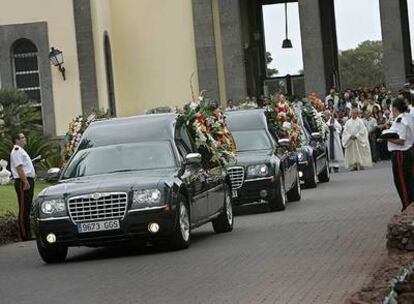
x=131 y=55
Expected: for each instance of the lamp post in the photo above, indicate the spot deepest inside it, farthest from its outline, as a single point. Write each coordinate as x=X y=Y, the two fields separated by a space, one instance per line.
x=287 y=44
x=56 y=58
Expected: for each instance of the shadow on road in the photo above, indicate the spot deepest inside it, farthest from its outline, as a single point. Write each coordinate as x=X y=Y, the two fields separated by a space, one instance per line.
x=134 y=249
x=250 y=209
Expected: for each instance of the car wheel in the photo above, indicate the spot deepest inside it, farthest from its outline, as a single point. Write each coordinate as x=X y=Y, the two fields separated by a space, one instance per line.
x=278 y=201
x=311 y=180
x=181 y=238
x=325 y=176
x=224 y=222
x=295 y=193
x=52 y=254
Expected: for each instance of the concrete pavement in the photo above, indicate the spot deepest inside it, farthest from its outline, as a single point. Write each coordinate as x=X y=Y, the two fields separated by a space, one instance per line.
x=317 y=251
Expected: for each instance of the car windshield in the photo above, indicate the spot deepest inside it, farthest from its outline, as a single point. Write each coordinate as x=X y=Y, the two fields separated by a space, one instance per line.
x=252 y=140
x=121 y=158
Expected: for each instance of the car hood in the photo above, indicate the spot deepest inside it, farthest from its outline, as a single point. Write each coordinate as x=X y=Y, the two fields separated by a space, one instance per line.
x=254 y=157
x=123 y=182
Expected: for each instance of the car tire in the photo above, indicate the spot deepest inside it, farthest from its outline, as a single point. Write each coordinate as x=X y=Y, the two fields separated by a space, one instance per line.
x=311 y=181
x=52 y=254
x=325 y=175
x=225 y=221
x=278 y=200
x=295 y=193
x=181 y=237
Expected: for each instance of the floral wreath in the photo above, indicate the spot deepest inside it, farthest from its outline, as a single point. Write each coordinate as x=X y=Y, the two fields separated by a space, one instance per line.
x=284 y=121
x=210 y=133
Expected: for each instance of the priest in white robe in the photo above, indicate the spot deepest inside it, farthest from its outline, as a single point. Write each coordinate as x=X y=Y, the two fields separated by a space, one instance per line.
x=356 y=143
x=335 y=150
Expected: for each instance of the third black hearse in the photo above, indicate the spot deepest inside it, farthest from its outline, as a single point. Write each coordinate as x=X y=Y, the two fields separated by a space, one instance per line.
x=136 y=178
x=265 y=170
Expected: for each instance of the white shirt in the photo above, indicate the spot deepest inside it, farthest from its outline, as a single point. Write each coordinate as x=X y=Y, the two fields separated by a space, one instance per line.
x=403 y=125
x=18 y=157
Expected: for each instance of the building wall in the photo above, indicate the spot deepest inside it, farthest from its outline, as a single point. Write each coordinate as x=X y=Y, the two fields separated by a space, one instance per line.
x=153 y=52
x=101 y=24
x=61 y=33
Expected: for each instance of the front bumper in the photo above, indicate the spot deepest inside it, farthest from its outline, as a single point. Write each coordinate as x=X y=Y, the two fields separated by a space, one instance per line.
x=134 y=227
x=305 y=170
x=251 y=190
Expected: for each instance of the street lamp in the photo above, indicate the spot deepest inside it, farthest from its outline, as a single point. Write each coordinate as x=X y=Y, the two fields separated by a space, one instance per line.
x=56 y=58
x=287 y=44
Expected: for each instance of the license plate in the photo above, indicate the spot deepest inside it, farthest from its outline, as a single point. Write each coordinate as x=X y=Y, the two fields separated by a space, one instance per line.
x=234 y=194
x=98 y=226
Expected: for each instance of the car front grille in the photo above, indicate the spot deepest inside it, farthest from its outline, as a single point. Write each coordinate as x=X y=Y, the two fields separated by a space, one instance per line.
x=236 y=176
x=98 y=206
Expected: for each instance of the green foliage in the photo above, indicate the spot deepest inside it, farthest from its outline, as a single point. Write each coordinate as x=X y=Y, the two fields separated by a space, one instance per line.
x=18 y=114
x=362 y=66
x=270 y=72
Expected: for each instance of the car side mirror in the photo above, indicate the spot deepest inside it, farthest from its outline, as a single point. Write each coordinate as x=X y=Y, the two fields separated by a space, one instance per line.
x=316 y=135
x=284 y=142
x=53 y=174
x=193 y=158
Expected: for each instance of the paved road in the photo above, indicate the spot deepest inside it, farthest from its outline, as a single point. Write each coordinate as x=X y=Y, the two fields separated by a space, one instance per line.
x=317 y=251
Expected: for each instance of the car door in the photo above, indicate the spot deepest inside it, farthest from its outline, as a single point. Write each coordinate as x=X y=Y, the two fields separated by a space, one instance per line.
x=215 y=185
x=195 y=177
x=320 y=153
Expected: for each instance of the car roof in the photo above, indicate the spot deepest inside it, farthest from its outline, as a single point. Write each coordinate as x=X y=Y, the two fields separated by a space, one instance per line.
x=152 y=127
x=246 y=120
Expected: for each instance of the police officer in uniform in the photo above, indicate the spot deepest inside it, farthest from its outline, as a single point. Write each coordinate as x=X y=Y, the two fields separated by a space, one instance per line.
x=23 y=174
x=401 y=149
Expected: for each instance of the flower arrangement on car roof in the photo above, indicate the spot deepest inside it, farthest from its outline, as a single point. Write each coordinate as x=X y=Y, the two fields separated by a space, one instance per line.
x=209 y=131
x=284 y=121
x=314 y=117
x=315 y=99
x=77 y=127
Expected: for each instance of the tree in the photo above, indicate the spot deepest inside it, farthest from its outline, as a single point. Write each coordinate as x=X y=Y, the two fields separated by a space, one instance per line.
x=362 y=66
x=270 y=72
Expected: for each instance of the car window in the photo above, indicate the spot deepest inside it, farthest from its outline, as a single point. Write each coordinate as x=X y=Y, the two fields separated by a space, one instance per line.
x=121 y=158
x=252 y=140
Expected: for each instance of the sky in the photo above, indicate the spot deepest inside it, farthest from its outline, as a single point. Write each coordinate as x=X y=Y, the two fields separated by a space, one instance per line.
x=356 y=21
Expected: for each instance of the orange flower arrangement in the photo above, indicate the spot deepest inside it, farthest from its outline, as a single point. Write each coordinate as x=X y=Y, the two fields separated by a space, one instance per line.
x=317 y=102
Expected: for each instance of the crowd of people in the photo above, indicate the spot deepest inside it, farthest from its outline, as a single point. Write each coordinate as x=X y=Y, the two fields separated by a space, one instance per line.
x=356 y=121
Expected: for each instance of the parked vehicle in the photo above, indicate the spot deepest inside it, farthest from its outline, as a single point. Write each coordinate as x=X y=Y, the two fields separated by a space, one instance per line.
x=132 y=179
x=265 y=169
x=313 y=158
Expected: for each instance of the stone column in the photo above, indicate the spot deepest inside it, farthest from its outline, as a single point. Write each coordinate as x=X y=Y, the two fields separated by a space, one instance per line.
x=393 y=41
x=233 y=53
x=312 y=46
x=319 y=45
x=205 y=47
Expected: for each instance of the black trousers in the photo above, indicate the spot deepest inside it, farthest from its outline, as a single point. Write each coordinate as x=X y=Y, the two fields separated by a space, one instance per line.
x=25 y=199
x=402 y=168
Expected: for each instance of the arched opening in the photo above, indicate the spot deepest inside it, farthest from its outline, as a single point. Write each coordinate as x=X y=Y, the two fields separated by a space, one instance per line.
x=109 y=75
x=26 y=69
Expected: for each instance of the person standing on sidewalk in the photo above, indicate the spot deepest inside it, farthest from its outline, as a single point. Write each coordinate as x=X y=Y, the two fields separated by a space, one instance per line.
x=23 y=173
x=401 y=149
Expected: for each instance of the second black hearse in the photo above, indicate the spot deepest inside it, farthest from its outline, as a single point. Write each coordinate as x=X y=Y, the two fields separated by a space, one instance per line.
x=136 y=178
x=265 y=169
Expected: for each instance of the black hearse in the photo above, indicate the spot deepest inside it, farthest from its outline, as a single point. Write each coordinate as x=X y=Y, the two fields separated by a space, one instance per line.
x=313 y=157
x=136 y=178
x=265 y=169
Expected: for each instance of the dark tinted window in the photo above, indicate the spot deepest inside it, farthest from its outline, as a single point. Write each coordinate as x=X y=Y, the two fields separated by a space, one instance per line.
x=121 y=158
x=252 y=140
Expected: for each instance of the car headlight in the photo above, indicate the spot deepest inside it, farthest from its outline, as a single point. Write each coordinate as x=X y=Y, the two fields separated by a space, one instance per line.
x=146 y=198
x=301 y=156
x=53 y=207
x=258 y=170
